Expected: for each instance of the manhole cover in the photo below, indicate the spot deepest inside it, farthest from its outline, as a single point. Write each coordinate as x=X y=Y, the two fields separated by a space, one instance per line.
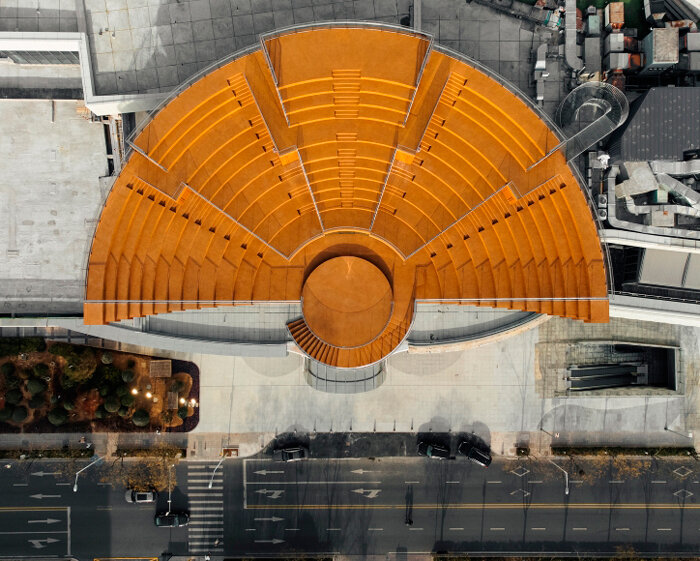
x=683 y=494
x=683 y=471
x=520 y=471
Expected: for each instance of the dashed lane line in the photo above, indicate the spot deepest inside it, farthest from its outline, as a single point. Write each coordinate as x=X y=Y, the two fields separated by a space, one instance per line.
x=664 y=529
x=538 y=529
x=292 y=529
x=411 y=482
x=616 y=482
x=452 y=482
x=658 y=482
x=375 y=529
x=580 y=529
x=416 y=529
x=494 y=482
x=456 y=529
x=497 y=529
x=332 y=529
x=622 y=529
x=250 y=530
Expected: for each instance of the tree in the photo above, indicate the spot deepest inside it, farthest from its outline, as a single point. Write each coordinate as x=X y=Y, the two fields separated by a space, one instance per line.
x=6 y=413
x=112 y=404
x=37 y=401
x=13 y=397
x=81 y=362
x=57 y=416
x=7 y=369
x=182 y=412
x=19 y=414
x=141 y=418
x=35 y=386
x=41 y=370
x=107 y=357
x=128 y=400
x=128 y=376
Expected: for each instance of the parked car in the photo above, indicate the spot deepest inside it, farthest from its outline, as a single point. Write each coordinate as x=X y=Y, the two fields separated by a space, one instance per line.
x=132 y=496
x=172 y=519
x=436 y=451
x=474 y=453
x=292 y=454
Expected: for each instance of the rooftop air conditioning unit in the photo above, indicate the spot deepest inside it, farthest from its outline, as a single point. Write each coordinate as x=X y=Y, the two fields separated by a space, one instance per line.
x=602 y=201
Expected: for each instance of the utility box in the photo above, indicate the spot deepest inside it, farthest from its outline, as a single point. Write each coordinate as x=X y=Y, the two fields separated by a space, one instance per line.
x=614 y=43
x=593 y=26
x=690 y=42
x=660 y=49
x=689 y=62
x=622 y=61
x=614 y=16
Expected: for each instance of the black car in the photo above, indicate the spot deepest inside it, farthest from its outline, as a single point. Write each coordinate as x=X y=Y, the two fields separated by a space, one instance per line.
x=293 y=454
x=172 y=519
x=435 y=451
x=474 y=453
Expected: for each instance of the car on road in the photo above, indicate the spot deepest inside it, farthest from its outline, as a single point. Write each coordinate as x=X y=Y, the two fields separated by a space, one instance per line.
x=291 y=454
x=132 y=496
x=172 y=519
x=474 y=453
x=435 y=451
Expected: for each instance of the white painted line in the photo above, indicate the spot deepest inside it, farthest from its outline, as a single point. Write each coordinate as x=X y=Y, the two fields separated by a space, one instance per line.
x=245 y=490
x=375 y=529
x=250 y=530
x=622 y=529
x=332 y=529
x=292 y=529
x=616 y=482
x=494 y=482
x=216 y=480
x=664 y=529
x=576 y=481
x=20 y=484
x=104 y=508
x=358 y=482
x=497 y=529
x=534 y=482
x=63 y=483
x=539 y=529
x=103 y=483
x=68 y=553
x=35 y=532
x=452 y=482
x=456 y=529
x=416 y=529
x=208 y=502
x=659 y=482
x=213 y=495
x=411 y=482
x=200 y=488
x=580 y=529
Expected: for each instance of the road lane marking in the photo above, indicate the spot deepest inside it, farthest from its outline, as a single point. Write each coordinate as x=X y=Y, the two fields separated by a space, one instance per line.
x=328 y=482
x=20 y=484
x=494 y=482
x=456 y=529
x=534 y=482
x=35 y=532
x=486 y=506
x=292 y=529
x=538 y=529
x=579 y=529
x=63 y=483
x=659 y=482
x=617 y=482
x=498 y=529
x=250 y=530
x=622 y=529
x=104 y=508
x=411 y=482
x=375 y=529
x=416 y=529
x=332 y=529
x=664 y=529
x=451 y=482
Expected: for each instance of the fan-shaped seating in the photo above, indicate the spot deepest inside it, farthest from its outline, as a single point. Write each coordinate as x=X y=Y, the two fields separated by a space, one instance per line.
x=252 y=177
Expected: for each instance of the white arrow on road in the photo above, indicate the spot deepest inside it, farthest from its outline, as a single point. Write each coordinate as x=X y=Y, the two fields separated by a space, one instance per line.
x=523 y=491
x=267 y=471
x=270 y=493
x=43 y=473
x=45 y=521
x=40 y=544
x=371 y=493
x=272 y=519
x=275 y=541
x=40 y=496
x=361 y=471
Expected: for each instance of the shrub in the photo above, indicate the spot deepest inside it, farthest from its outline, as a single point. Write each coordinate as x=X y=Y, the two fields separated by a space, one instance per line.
x=19 y=414
x=53 y=399
x=110 y=373
x=57 y=416
x=141 y=418
x=13 y=397
x=35 y=386
x=81 y=362
x=68 y=405
x=128 y=400
x=112 y=404
x=128 y=376
x=7 y=369
x=6 y=413
x=104 y=390
x=41 y=370
x=122 y=390
x=107 y=357
x=182 y=412
x=123 y=411
x=37 y=401
x=12 y=346
x=12 y=382
x=177 y=386
x=100 y=413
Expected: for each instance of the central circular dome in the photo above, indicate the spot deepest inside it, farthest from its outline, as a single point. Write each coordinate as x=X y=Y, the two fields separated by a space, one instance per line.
x=347 y=301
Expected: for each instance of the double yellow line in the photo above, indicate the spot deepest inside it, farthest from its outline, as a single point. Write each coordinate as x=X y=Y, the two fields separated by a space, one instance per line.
x=485 y=506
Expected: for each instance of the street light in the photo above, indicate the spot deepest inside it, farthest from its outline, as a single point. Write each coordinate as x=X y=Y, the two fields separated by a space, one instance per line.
x=566 y=475
x=75 y=484
x=211 y=481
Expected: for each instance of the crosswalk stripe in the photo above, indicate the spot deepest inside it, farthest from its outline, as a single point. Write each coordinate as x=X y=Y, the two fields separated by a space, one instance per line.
x=197 y=510
x=218 y=479
x=213 y=494
x=211 y=533
x=205 y=488
x=202 y=542
x=194 y=517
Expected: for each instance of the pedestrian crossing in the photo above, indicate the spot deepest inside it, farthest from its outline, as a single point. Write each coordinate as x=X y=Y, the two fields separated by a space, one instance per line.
x=205 y=532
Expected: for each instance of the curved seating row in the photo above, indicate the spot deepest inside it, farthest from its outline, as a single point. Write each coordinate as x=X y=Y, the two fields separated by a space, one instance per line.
x=223 y=202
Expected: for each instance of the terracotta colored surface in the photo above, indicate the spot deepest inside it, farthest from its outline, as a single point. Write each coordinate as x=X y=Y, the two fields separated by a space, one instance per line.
x=347 y=301
x=415 y=161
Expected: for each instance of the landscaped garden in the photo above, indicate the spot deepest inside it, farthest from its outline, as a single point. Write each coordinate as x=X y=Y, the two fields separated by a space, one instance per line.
x=48 y=386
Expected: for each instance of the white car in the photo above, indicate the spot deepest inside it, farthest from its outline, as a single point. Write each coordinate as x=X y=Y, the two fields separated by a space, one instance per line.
x=132 y=496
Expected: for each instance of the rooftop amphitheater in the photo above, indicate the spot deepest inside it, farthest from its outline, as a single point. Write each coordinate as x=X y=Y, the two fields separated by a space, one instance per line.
x=360 y=170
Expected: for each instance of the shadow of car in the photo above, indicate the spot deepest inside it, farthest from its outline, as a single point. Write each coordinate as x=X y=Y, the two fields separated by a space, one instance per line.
x=435 y=451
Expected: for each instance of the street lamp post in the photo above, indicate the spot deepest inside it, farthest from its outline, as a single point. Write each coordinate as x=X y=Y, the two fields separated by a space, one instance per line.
x=211 y=481
x=566 y=475
x=75 y=483
x=169 y=489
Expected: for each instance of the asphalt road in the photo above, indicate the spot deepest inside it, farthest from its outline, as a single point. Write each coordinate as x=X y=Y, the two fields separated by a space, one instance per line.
x=355 y=506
